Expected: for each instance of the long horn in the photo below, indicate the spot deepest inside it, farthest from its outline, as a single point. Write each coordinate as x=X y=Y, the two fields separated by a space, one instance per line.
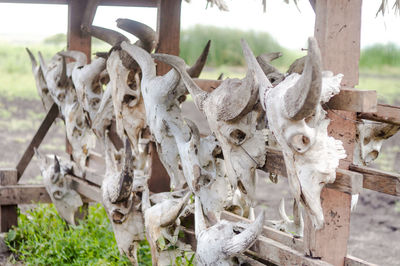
x=57 y=167
x=282 y=211
x=179 y=65
x=111 y=37
x=245 y=239
x=127 y=175
x=145 y=34
x=143 y=58
x=170 y=215
x=33 y=59
x=303 y=97
x=195 y=70
x=62 y=81
x=43 y=65
x=199 y=221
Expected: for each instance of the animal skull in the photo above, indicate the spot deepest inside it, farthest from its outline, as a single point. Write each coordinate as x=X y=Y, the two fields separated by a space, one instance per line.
x=66 y=200
x=296 y=118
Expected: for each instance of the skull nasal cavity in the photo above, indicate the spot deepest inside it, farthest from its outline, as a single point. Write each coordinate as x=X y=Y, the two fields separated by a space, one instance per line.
x=238 y=136
x=129 y=98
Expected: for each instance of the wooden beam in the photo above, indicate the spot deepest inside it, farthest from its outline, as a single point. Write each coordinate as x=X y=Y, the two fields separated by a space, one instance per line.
x=132 y=3
x=168 y=29
x=379 y=180
x=352 y=100
x=353 y=261
x=76 y=39
x=37 y=140
x=385 y=113
x=346 y=181
x=27 y=194
x=8 y=214
x=86 y=188
x=24 y=194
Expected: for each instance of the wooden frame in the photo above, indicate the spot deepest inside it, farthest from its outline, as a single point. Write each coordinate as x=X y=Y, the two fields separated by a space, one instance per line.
x=340 y=54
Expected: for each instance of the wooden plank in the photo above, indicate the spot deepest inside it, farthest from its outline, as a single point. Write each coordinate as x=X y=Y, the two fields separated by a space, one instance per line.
x=385 y=113
x=93 y=177
x=159 y=179
x=24 y=194
x=346 y=181
x=8 y=214
x=347 y=100
x=76 y=39
x=379 y=180
x=86 y=188
x=354 y=100
x=37 y=140
x=27 y=194
x=132 y=3
x=168 y=29
x=353 y=261
x=337 y=30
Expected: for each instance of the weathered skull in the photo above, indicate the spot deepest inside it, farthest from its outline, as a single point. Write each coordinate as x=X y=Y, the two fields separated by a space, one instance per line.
x=232 y=113
x=217 y=244
x=298 y=122
x=41 y=84
x=369 y=140
x=66 y=200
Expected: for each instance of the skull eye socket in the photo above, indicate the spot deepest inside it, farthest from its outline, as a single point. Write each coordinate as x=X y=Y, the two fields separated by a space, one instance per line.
x=61 y=97
x=300 y=143
x=58 y=194
x=366 y=141
x=130 y=100
x=238 y=136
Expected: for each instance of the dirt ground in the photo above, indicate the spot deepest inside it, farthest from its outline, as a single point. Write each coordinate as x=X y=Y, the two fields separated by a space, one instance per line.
x=375 y=224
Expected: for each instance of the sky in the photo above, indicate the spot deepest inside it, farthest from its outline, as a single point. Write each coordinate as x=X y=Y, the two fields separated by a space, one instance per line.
x=287 y=24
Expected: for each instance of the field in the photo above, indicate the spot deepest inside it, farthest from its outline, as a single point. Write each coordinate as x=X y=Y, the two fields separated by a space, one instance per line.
x=374 y=225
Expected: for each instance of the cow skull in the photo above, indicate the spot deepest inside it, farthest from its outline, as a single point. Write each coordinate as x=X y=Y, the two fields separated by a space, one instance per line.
x=41 y=84
x=296 y=118
x=217 y=244
x=66 y=200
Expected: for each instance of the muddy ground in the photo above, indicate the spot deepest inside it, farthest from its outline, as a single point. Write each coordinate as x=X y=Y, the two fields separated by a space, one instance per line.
x=375 y=224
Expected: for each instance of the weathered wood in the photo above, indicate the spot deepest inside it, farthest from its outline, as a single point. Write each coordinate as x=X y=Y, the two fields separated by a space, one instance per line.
x=94 y=178
x=23 y=194
x=159 y=179
x=353 y=261
x=8 y=214
x=86 y=188
x=37 y=139
x=76 y=39
x=27 y=194
x=379 y=180
x=354 y=100
x=385 y=113
x=346 y=181
x=337 y=29
x=168 y=29
x=137 y=3
x=347 y=100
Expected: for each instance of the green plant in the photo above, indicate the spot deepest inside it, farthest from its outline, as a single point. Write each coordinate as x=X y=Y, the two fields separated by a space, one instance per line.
x=43 y=238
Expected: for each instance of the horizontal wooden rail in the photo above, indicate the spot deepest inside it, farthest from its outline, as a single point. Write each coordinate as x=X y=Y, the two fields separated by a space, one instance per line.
x=385 y=113
x=86 y=188
x=378 y=180
x=133 y=3
x=353 y=100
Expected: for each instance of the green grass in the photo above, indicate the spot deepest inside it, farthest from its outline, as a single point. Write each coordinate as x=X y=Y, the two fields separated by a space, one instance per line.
x=43 y=238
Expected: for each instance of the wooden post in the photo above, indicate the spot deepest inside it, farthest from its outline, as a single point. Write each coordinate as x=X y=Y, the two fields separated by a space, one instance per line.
x=168 y=28
x=8 y=213
x=337 y=29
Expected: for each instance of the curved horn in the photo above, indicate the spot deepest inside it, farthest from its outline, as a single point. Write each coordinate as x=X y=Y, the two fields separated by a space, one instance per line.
x=145 y=34
x=242 y=241
x=126 y=176
x=62 y=81
x=43 y=65
x=303 y=97
x=179 y=65
x=111 y=37
x=57 y=167
x=195 y=70
x=143 y=58
x=33 y=59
